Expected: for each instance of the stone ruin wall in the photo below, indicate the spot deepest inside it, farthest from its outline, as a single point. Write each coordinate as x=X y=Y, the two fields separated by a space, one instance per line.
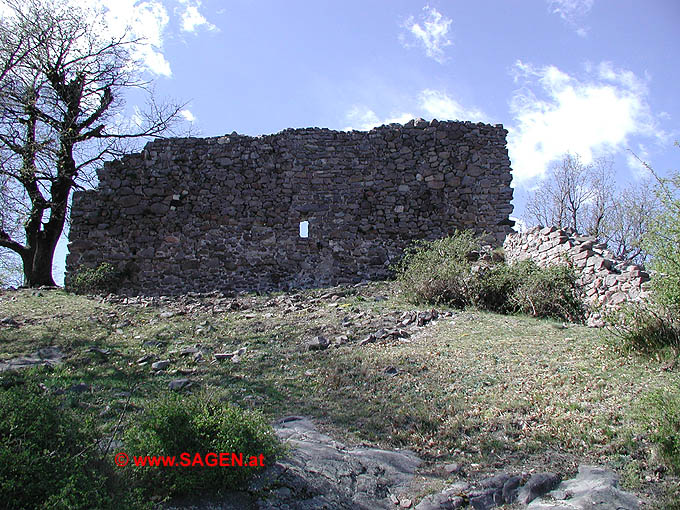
x=223 y=213
x=606 y=281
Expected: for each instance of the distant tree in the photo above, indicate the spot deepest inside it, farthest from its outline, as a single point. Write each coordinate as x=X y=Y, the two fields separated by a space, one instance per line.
x=62 y=81
x=631 y=217
x=596 y=215
x=585 y=198
x=560 y=200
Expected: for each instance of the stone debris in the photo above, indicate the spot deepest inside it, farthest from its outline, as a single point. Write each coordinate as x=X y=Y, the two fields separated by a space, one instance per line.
x=605 y=280
x=44 y=356
x=99 y=350
x=8 y=321
x=79 y=388
x=146 y=358
x=160 y=365
x=190 y=351
x=180 y=384
x=453 y=468
x=236 y=355
x=412 y=320
x=318 y=343
x=189 y=303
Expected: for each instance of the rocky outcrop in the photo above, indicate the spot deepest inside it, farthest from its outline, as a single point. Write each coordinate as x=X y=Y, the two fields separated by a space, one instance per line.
x=605 y=280
x=319 y=472
x=226 y=213
x=594 y=488
x=45 y=356
x=322 y=473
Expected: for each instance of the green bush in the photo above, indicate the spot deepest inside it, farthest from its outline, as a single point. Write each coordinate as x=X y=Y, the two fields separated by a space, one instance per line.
x=547 y=292
x=46 y=456
x=103 y=279
x=498 y=284
x=449 y=271
x=649 y=328
x=440 y=272
x=175 y=425
x=662 y=239
x=660 y=412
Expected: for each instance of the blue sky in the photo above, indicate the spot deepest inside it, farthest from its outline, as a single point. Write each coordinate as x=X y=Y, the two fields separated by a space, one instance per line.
x=593 y=77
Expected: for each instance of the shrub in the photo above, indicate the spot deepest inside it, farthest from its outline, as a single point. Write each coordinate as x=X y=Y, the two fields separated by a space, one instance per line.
x=547 y=292
x=46 y=455
x=500 y=282
x=449 y=271
x=662 y=239
x=649 y=328
x=660 y=411
x=175 y=425
x=525 y=287
x=103 y=279
x=440 y=272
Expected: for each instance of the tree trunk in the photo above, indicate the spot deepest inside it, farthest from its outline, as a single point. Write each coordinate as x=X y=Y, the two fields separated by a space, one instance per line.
x=27 y=265
x=41 y=272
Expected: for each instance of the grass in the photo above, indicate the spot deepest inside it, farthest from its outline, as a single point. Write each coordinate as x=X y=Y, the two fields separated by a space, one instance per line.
x=489 y=391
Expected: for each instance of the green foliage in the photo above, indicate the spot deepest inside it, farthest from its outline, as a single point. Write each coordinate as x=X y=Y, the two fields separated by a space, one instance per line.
x=649 y=328
x=663 y=240
x=660 y=411
x=46 y=455
x=103 y=279
x=547 y=292
x=175 y=425
x=440 y=271
x=499 y=283
x=444 y=272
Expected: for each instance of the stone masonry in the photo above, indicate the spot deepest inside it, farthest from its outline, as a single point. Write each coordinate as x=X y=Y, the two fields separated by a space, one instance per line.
x=605 y=280
x=224 y=213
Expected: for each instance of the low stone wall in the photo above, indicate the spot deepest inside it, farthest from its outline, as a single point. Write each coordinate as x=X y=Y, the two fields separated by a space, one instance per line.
x=606 y=280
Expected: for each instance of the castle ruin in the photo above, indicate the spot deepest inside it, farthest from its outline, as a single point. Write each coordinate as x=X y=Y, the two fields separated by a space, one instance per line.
x=300 y=208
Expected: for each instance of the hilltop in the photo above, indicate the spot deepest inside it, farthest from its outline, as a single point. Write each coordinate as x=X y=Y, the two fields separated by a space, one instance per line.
x=482 y=391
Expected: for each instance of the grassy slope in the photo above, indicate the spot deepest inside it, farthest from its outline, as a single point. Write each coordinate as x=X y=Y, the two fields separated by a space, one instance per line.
x=491 y=392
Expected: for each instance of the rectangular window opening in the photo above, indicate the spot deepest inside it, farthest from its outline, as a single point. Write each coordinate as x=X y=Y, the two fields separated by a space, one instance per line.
x=304 y=229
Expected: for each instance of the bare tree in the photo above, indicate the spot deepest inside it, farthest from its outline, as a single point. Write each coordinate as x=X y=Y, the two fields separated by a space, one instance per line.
x=61 y=96
x=561 y=198
x=586 y=198
x=631 y=217
x=601 y=202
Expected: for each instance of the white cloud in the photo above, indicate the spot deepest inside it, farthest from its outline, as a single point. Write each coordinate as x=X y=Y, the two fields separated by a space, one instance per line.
x=572 y=11
x=555 y=113
x=431 y=33
x=363 y=119
x=438 y=105
x=137 y=119
x=147 y=21
x=192 y=18
x=137 y=19
x=429 y=104
x=188 y=115
x=143 y=19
